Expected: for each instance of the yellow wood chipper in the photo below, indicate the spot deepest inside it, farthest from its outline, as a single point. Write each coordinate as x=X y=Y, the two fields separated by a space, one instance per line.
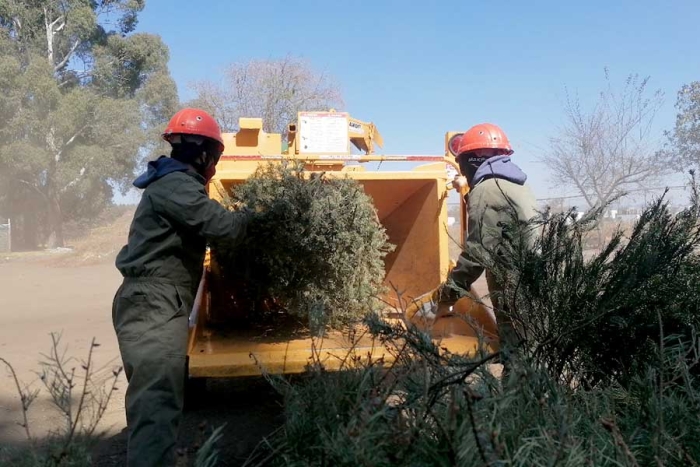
x=410 y=204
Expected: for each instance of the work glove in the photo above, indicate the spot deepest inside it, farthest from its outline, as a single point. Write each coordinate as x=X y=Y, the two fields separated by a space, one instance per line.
x=460 y=182
x=431 y=310
x=441 y=302
x=248 y=215
x=248 y=212
x=446 y=296
x=448 y=293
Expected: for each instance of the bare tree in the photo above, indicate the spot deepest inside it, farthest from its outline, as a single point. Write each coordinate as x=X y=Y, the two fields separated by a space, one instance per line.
x=609 y=149
x=274 y=90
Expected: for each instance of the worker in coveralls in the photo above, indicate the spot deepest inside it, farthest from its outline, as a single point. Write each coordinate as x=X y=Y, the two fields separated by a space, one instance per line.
x=162 y=265
x=498 y=196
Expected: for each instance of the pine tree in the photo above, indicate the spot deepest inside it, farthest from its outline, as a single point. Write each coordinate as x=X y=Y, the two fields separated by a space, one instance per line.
x=315 y=245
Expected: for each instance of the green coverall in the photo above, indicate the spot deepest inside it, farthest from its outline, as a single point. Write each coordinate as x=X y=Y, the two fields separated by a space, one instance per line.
x=162 y=265
x=492 y=204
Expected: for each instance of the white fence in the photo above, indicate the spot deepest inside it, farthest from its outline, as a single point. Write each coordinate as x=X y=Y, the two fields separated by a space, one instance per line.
x=6 y=236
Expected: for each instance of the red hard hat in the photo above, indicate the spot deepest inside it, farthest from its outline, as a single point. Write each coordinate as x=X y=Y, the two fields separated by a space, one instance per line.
x=484 y=136
x=192 y=121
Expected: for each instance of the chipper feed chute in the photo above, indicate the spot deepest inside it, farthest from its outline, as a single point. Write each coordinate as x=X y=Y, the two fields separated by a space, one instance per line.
x=411 y=205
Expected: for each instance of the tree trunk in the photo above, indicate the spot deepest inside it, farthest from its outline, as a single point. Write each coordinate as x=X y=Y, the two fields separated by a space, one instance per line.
x=55 y=220
x=31 y=232
x=24 y=232
x=55 y=217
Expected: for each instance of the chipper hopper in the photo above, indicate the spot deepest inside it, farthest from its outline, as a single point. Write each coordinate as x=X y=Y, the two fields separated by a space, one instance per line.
x=411 y=205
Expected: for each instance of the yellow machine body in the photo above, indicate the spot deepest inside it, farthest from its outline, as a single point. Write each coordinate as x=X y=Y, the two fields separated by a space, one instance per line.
x=411 y=205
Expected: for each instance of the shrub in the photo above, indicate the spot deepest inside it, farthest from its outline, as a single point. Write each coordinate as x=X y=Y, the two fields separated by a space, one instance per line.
x=81 y=395
x=605 y=375
x=440 y=409
x=600 y=319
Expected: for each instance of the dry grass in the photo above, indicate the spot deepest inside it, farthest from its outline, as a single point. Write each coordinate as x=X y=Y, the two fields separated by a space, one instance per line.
x=100 y=245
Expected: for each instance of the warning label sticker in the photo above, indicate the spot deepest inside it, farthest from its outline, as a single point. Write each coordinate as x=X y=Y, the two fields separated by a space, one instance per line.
x=323 y=132
x=356 y=128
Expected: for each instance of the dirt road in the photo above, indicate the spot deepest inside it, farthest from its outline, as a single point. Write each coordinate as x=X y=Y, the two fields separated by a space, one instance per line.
x=36 y=300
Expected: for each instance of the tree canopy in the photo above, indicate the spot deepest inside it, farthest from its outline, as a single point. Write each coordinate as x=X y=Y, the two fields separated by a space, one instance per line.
x=683 y=146
x=82 y=95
